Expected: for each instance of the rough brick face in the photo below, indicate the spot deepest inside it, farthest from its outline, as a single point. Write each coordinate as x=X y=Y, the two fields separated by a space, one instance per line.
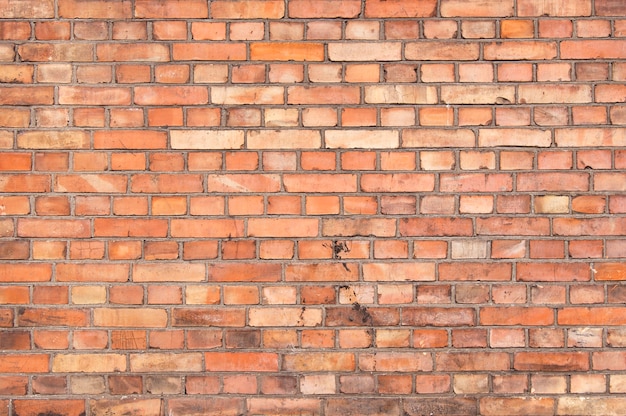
x=325 y=207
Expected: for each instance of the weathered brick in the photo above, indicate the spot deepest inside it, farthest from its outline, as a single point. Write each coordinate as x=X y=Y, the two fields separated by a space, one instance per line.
x=475 y=361
x=470 y=94
x=208 y=317
x=398 y=272
x=66 y=407
x=166 y=362
x=442 y=51
x=288 y=317
x=517 y=406
x=149 y=407
x=438 y=138
x=554 y=8
x=319 y=361
x=396 y=362
x=456 y=406
x=547 y=361
x=88 y=363
x=420 y=316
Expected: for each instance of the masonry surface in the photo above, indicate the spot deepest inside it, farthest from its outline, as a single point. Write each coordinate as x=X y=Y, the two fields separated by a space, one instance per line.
x=312 y=207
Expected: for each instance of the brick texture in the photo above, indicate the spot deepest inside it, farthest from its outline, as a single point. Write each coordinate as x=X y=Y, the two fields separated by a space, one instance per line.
x=320 y=207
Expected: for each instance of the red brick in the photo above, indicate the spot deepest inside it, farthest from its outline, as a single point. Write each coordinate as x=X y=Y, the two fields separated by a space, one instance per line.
x=609 y=8
x=14 y=386
x=14 y=250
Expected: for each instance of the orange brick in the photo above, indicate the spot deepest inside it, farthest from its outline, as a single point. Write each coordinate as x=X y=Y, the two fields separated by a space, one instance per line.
x=169 y=30
x=517 y=29
x=554 y=8
x=170 y=9
x=16 y=30
x=240 y=9
x=397 y=8
x=247 y=31
x=324 y=9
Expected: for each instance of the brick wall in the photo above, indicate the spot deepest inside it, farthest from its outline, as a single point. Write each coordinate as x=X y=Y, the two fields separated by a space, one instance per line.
x=366 y=207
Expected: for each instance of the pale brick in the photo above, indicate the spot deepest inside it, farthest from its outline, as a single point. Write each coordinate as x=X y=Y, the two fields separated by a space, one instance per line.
x=362 y=139
x=206 y=139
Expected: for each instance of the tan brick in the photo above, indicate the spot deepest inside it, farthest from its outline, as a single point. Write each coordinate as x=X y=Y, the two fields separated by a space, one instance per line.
x=88 y=363
x=165 y=362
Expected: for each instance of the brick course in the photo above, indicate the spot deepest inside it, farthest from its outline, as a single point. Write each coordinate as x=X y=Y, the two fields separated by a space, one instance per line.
x=329 y=207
